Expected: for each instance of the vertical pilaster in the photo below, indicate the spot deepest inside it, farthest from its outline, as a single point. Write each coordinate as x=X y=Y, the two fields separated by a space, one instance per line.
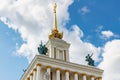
x=75 y=76
x=38 y=71
x=84 y=76
x=57 y=53
x=67 y=75
x=58 y=74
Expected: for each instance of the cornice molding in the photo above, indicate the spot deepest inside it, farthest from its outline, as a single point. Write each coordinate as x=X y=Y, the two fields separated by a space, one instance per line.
x=56 y=63
x=58 y=42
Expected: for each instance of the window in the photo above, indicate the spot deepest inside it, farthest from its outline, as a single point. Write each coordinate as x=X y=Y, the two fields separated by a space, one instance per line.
x=55 y=53
x=65 y=55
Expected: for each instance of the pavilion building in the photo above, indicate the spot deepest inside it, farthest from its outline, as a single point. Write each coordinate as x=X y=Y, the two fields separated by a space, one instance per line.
x=56 y=65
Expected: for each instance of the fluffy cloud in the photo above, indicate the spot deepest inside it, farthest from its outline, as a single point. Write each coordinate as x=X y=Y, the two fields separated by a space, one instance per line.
x=84 y=10
x=33 y=20
x=79 y=49
x=111 y=58
x=107 y=34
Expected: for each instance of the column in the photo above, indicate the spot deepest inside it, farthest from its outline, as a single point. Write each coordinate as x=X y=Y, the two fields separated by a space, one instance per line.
x=84 y=77
x=67 y=75
x=34 y=74
x=31 y=76
x=49 y=71
x=99 y=78
x=92 y=78
x=58 y=74
x=75 y=76
x=38 y=71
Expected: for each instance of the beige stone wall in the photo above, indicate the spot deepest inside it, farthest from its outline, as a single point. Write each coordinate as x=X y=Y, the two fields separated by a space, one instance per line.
x=58 y=49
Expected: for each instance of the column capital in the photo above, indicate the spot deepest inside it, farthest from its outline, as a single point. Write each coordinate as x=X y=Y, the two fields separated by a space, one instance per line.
x=31 y=74
x=67 y=71
x=34 y=69
x=84 y=74
x=91 y=76
x=58 y=69
x=28 y=78
x=76 y=73
x=38 y=64
x=48 y=66
x=99 y=78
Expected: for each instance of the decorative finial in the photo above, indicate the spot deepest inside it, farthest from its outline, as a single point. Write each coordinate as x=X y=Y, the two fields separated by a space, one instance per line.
x=55 y=6
x=55 y=32
x=55 y=18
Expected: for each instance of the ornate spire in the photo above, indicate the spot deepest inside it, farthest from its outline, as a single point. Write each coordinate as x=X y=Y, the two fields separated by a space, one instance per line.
x=55 y=33
x=55 y=19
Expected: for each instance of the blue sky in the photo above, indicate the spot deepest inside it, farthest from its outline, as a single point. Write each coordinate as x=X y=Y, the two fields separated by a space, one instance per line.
x=97 y=20
x=11 y=64
x=101 y=13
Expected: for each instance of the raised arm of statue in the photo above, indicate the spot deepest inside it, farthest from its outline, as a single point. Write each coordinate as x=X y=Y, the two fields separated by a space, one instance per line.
x=91 y=55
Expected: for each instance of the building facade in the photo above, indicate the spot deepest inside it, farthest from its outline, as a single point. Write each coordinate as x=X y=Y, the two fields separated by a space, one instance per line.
x=55 y=65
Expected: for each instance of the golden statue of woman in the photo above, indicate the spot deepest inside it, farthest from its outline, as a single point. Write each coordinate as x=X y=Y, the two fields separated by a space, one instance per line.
x=55 y=5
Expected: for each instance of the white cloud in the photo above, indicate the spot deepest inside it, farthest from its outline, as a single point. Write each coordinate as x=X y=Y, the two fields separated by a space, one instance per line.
x=78 y=48
x=111 y=58
x=107 y=34
x=84 y=10
x=33 y=20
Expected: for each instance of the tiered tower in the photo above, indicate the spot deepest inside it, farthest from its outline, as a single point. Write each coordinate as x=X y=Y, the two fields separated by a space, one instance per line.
x=57 y=48
x=55 y=65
